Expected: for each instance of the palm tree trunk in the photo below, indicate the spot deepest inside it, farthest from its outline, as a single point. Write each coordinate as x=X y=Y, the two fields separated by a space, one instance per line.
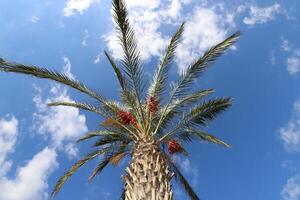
x=148 y=176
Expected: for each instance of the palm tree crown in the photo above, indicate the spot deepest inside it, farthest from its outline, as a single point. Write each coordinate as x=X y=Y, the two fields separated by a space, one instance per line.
x=142 y=113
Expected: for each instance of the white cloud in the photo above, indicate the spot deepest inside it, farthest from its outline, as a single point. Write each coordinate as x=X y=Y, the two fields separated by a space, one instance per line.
x=285 y=45
x=34 y=19
x=77 y=6
x=203 y=29
x=30 y=182
x=185 y=165
x=291 y=190
x=205 y=26
x=85 y=38
x=293 y=64
x=293 y=59
x=146 y=16
x=272 y=58
x=133 y=4
x=67 y=67
x=60 y=123
x=71 y=150
x=97 y=59
x=290 y=134
x=8 y=137
x=261 y=15
x=106 y=195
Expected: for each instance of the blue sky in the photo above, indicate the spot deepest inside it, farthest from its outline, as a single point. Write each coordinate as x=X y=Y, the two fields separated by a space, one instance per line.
x=261 y=73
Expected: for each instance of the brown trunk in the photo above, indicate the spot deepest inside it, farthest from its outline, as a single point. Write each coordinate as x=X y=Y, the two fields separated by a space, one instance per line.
x=148 y=176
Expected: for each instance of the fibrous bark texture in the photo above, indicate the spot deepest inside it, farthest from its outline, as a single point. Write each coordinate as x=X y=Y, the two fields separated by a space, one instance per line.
x=148 y=176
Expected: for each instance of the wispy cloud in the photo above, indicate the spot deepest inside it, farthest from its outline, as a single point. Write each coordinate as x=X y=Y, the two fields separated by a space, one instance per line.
x=293 y=63
x=187 y=168
x=85 y=38
x=261 y=15
x=61 y=124
x=290 y=133
x=204 y=27
x=77 y=6
x=97 y=59
x=147 y=17
x=30 y=182
x=291 y=190
x=34 y=19
x=285 y=45
x=8 y=137
x=71 y=150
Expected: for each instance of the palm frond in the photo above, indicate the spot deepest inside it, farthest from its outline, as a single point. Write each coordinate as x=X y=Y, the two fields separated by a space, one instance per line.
x=110 y=108
x=95 y=134
x=184 y=183
x=79 y=105
x=180 y=178
x=131 y=61
x=207 y=111
x=98 y=169
x=200 y=115
x=176 y=106
x=158 y=82
x=109 y=139
x=117 y=71
x=185 y=137
x=127 y=97
x=107 y=160
x=48 y=74
x=206 y=137
x=122 y=197
x=76 y=166
x=200 y=65
x=195 y=70
x=116 y=159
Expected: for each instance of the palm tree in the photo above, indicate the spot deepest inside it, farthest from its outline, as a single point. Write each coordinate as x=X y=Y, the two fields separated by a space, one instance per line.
x=147 y=125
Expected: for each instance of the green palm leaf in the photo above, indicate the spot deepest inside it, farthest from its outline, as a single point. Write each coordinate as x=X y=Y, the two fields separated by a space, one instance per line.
x=177 y=106
x=76 y=166
x=180 y=178
x=206 y=137
x=195 y=70
x=97 y=134
x=184 y=183
x=98 y=169
x=200 y=115
x=207 y=111
x=48 y=74
x=83 y=106
x=131 y=61
x=200 y=65
x=160 y=75
x=122 y=197
x=107 y=159
x=109 y=139
x=117 y=71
